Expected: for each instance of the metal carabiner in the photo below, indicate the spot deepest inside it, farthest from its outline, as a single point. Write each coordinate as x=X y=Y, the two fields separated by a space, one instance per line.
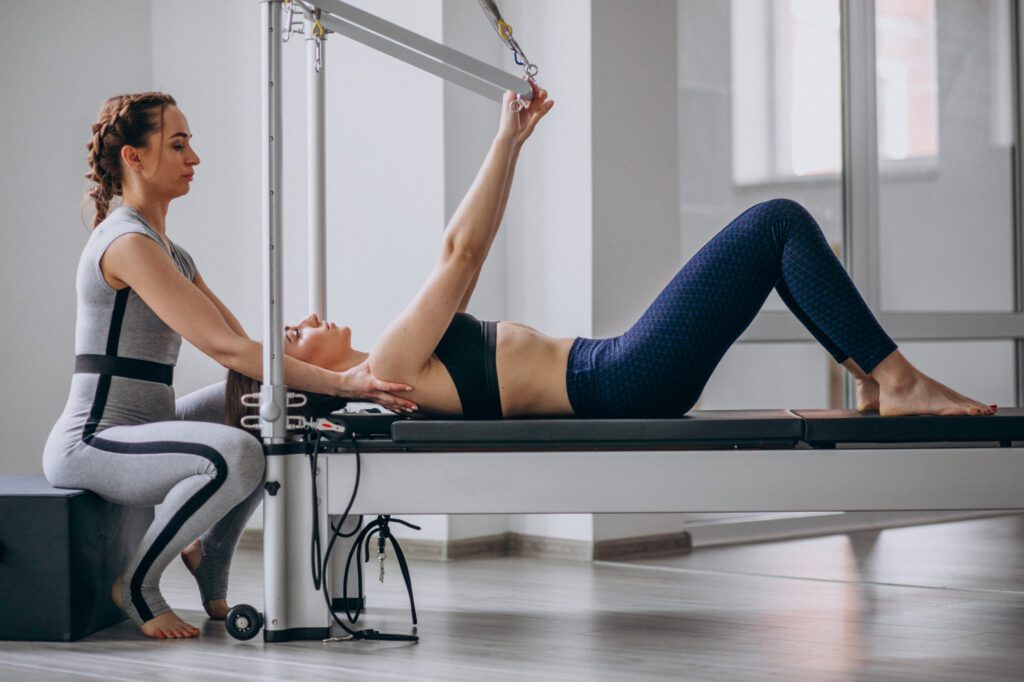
x=318 y=34
x=290 y=8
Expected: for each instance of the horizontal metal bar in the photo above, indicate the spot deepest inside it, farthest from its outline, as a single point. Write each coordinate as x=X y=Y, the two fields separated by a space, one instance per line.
x=781 y=326
x=419 y=51
x=889 y=479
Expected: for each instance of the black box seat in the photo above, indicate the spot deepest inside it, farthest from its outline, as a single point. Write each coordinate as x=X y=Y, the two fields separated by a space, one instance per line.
x=60 y=551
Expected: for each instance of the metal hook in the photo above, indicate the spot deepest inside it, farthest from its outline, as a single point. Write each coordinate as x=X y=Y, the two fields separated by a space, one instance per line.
x=288 y=7
x=318 y=34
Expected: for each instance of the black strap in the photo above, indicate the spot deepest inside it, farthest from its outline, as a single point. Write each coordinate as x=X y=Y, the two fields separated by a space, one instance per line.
x=129 y=368
x=99 y=400
x=490 y=334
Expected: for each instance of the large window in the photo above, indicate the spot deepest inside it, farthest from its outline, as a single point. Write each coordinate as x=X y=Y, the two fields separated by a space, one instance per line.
x=931 y=237
x=785 y=57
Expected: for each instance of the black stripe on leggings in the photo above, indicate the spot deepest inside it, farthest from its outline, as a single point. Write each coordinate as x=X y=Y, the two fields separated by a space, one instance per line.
x=180 y=517
x=99 y=401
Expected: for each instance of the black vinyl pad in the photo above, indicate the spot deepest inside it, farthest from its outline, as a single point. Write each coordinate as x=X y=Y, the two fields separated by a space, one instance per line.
x=848 y=426
x=817 y=427
x=704 y=427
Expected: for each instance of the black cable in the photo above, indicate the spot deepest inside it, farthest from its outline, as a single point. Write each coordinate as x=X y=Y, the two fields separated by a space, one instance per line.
x=321 y=563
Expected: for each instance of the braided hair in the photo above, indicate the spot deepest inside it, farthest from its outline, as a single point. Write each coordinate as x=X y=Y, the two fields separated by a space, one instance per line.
x=123 y=120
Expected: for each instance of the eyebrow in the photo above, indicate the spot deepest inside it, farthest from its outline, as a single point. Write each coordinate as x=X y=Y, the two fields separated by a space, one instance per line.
x=186 y=135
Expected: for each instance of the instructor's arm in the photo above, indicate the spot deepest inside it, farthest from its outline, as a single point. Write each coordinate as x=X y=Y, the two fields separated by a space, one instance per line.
x=136 y=261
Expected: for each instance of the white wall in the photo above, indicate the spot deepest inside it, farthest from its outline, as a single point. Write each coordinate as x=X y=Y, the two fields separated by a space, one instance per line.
x=58 y=65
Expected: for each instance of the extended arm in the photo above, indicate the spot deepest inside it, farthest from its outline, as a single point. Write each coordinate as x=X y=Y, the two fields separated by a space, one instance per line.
x=138 y=262
x=405 y=347
x=523 y=124
x=509 y=176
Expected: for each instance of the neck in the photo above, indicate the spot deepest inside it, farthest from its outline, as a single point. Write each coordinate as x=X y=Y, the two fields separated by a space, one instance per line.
x=152 y=210
x=354 y=358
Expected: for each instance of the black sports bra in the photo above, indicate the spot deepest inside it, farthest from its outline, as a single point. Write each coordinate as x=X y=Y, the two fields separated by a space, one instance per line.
x=468 y=351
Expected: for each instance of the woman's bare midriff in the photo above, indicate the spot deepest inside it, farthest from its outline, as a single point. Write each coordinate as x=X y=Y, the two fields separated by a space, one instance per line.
x=531 y=376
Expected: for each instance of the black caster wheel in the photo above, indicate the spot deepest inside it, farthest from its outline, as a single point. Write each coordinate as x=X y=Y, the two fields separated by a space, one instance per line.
x=243 y=622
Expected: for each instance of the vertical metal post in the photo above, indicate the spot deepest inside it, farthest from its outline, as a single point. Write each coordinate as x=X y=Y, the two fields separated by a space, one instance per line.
x=316 y=197
x=1017 y=66
x=861 y=216
x=273 y=415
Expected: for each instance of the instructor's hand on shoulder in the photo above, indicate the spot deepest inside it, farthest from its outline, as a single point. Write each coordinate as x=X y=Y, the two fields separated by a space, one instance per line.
x=517 y=126
x=359 y=383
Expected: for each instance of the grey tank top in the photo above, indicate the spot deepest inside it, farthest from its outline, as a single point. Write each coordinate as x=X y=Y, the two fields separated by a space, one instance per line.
x=118 y=321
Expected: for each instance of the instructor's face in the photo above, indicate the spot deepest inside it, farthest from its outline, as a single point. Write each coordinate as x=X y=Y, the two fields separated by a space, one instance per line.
x=168 y=160
x=318 y=342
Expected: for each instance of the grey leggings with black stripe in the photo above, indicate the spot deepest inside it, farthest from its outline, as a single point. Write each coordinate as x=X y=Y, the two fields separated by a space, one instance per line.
x=204 y=476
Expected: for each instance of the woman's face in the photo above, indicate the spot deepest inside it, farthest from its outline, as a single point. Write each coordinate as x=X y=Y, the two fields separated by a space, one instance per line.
x=168 y=161
x=319 y=343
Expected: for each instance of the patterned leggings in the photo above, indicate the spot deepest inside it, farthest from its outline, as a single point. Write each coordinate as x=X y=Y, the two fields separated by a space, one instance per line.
x=659 y=367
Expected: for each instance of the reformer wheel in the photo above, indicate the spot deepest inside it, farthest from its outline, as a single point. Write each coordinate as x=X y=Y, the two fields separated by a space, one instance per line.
x=243 y=622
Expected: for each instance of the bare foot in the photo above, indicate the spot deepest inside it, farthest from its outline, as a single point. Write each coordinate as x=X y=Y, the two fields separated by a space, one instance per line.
x=216 y=609
x=905 y=390
x=867 y=395
x=165 y=626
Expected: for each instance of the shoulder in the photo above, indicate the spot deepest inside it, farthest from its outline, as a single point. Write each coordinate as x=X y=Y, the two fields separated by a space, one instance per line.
x=183 y=261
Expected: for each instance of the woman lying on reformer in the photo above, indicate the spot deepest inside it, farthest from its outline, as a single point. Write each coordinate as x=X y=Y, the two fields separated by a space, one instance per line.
x=460 y=366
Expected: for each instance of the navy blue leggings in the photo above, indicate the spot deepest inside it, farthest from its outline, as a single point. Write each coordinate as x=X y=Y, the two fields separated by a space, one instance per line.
x=660 y=365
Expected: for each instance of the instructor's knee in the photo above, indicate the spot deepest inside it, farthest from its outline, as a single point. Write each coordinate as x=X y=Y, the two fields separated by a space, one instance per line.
x=245 y=461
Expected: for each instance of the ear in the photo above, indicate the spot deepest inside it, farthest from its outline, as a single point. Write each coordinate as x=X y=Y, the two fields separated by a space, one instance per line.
x=130 y=157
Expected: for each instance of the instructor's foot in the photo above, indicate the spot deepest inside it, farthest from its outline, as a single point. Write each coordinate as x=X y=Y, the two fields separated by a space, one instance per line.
x=165 y=626
x=920 y=394
x=217 y=609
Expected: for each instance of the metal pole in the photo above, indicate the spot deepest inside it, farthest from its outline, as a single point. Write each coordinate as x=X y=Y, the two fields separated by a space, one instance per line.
x=860 y=154
x=1017 y=65
x=273 y=417
x=316 y=187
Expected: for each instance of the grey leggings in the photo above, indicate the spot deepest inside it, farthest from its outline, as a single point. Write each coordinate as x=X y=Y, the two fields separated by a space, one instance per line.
x=205 y=476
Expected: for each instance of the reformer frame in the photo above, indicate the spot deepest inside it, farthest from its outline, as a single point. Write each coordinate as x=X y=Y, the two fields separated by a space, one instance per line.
x=707 y=462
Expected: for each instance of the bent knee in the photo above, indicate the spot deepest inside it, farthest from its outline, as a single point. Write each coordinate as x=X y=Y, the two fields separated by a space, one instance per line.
x=244 y=460
x=791 y=211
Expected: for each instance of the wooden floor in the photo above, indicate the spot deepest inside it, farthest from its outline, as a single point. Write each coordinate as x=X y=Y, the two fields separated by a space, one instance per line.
x=943 y=602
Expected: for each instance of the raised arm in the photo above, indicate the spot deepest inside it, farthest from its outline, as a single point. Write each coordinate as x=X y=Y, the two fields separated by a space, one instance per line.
x=405 y=347
x=528 y=121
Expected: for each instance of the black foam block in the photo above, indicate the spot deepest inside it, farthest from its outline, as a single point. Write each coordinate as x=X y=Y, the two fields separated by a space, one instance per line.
x=60 y=551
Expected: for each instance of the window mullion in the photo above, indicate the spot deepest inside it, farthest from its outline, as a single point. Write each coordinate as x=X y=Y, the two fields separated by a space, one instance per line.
x=860 y=148
x=1017 y=62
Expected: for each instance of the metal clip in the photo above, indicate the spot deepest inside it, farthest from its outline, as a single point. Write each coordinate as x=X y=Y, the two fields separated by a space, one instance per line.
x=294 y=399
x=290 y=9
x=318 y=34
x=294 y=422
x=343 y=638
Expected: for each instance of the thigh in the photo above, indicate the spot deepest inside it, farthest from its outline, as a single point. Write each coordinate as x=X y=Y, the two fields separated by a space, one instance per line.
x=707 y=305
x=203 y=405
x=139 y=465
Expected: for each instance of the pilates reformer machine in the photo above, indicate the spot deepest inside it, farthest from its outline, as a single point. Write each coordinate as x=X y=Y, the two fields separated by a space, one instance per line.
x=381 y=464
